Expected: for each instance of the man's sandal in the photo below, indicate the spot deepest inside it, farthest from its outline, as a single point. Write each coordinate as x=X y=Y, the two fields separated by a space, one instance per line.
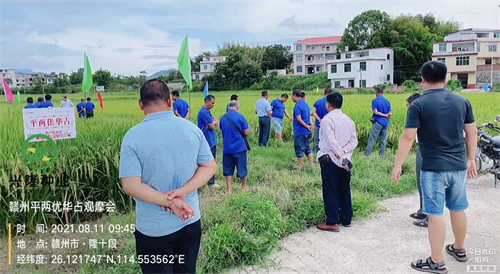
x=455 y=253
x=429 y=266
x=417 y=216
x=421 y=223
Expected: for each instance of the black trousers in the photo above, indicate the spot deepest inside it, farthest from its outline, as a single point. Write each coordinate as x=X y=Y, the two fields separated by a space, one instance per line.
x=177 y=252
x=264 y=130
x=214 y=153
x=89 y=114
x=336 y=194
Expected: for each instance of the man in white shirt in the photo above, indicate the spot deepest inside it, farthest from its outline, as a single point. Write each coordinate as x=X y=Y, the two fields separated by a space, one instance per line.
x=337 y=141
x=66 y=103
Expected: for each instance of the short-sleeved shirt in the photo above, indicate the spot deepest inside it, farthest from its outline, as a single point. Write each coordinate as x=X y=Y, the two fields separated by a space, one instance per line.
x=165 y=152
x=46 y=104
x=66 y=104
x=89 y=107
x=262 y=106
x=205 y=119
x=382 y=105
x=301 y=108
x=181 y=106
x=37 y=104
x=232 y=141
x=30 y=106
x=321 y=110
x=439 y=116
x=278 y=108
x=79 y=107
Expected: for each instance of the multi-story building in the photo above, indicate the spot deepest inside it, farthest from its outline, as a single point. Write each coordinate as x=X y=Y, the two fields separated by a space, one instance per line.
x=49 y=78
x=362 y=68
x=312 y=54
x=207 y=66
x=20 y=80
x=469 y=55
x=9 y=74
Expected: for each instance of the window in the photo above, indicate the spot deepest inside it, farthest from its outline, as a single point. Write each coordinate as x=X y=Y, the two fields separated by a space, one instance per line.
x=347 y=67
x=197 y=77
x=204 y=67
x=337 y=84
x=462 y=61
x=319 y=58
x=492 y=48
x=362 y=83
x=487 y=61
x=299 y=68
x=299 y=57
x=382 y=66
x=388 y=57
x=330 y=57
x=388 y=78
x=347 y=55
x=362 y=66
x=496 y=35
x=333 y=69
x=298 y=47
x=442 y=47
x=319 y=68
x=442 y=60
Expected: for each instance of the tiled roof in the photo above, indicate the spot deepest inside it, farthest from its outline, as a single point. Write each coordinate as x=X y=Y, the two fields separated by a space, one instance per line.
x=321 y=40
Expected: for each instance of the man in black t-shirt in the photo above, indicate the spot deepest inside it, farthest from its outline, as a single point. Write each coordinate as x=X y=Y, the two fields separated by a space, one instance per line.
x=439 y=118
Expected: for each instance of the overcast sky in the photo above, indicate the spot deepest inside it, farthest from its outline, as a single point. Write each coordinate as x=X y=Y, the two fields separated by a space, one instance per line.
x=126 y=37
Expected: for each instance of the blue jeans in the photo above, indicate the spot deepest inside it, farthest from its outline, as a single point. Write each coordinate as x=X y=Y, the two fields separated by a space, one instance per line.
x=214 y=153
x=302 y=145
x=316 y=139
x=439 y=188
x=336 y=194
x=376 y=131
x=264 y=129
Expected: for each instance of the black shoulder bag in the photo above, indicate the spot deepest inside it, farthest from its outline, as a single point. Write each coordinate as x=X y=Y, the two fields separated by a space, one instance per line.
x=239 y=131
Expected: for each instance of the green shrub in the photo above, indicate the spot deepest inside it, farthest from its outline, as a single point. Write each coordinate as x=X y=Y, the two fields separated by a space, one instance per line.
x=409 y=84
x=453 y=85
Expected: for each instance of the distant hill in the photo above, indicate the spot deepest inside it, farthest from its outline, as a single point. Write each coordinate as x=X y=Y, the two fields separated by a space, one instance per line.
x=162 y=72
x=24 y=71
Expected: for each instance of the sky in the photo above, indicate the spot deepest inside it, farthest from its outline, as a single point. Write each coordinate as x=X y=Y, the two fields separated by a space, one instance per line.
x=126 y=37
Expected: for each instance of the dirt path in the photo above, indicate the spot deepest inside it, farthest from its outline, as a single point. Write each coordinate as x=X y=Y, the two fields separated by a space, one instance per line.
x=388 y=242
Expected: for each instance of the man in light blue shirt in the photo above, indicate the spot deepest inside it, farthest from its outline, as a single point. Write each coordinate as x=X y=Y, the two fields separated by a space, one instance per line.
x=163 y=161
x=263 y=111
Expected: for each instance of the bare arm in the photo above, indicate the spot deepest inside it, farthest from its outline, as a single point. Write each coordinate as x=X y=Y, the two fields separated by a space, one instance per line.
x=378 y=113
x=177 y=113
x=245 y=133
x=470 y=140
x=187 y=115
x=202 y=175
x=135 y=188
x=301 y=122
x=288 y=115
x=315 y=114
x=405 y=143
x=211 y=126
x=269 y=112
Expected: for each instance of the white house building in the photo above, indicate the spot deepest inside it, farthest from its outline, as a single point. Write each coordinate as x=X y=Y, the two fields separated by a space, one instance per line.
x=362 y=68
x=207 y=66
x=9 y=74
x=312 y=54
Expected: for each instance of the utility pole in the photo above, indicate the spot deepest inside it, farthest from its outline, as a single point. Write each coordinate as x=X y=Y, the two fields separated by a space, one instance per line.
x=491 y=46
x=360 y=78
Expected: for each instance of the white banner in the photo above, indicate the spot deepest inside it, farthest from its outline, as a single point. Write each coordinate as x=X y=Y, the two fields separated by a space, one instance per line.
x=99 y=88
x=57 y=123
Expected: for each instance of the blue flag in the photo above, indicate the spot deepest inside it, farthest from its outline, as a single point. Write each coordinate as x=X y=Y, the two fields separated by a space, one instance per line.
x=205 y=89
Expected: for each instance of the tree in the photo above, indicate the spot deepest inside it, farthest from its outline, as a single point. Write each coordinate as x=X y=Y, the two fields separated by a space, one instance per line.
x=143 y=74
x=369 y=29
x=277 y=57
x=102 y=78
x=9 y=81
x=38 y=88
x=437 y=26
x=76 y=77
x=234 y=73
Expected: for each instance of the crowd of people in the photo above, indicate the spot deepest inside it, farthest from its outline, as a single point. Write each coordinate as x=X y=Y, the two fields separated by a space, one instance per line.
x=83 y=109
x=165 y=159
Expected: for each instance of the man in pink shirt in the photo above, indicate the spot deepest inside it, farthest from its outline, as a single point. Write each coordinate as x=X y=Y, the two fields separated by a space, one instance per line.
x=337 y=141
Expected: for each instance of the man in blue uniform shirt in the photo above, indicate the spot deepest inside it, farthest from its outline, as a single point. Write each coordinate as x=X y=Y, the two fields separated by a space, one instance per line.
x=380 y=120
x=279 y=112
x=302 y=127
x=80 y=108
x=319 y=111
x=89 y=108
x=47 y=103
x=234 y=146
x=39 y=102
x=207 y=123
x=30 y=103
x=181 y=107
